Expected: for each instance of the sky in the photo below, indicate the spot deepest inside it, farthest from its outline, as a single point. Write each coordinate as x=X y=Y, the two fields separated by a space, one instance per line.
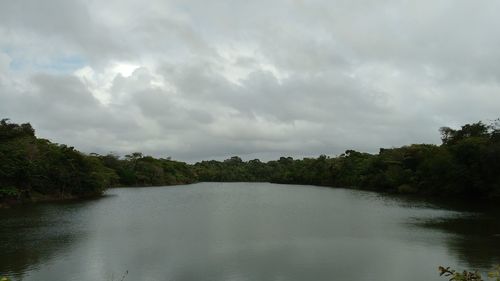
x=197 y=79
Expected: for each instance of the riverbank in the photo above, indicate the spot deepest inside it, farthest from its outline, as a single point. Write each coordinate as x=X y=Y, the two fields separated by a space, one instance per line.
x=464 y=166
x=36 y=197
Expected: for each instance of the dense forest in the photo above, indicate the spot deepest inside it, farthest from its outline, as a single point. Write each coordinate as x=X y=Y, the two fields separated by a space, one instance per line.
x=34 y=169
x=466 y=164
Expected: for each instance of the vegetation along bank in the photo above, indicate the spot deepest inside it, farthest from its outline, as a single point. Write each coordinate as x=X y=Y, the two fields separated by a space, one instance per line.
x=466 y=164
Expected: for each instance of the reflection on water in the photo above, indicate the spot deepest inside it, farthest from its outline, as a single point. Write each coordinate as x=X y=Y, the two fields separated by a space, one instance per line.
x=476 y=241
x=34 y=234
x=31 y=235
x=474 y=231
x=245 y=231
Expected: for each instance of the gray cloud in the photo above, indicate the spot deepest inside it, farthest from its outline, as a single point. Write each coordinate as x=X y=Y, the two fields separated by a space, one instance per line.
x=194 y=80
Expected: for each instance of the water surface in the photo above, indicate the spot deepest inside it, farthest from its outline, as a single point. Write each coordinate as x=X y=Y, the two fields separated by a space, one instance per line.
x=244 y=231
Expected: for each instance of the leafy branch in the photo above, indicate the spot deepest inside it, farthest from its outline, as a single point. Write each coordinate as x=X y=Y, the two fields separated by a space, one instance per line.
x=465 y=275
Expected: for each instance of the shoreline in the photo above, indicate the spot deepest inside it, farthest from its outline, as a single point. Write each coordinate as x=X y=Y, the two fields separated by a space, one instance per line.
x=43 y=198
x=36 y=198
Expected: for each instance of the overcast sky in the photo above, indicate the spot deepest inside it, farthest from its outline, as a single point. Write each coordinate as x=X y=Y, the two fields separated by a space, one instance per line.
x=210 y=79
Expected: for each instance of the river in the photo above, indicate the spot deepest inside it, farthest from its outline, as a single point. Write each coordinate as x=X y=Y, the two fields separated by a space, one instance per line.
x=245 y=231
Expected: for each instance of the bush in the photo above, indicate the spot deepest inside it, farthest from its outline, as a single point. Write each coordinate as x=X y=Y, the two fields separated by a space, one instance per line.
x=465 y=275
x=9 y=192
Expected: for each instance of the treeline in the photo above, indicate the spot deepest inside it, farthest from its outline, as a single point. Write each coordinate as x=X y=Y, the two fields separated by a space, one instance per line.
x=139 y=170
x=466 y=164
x=36 y=169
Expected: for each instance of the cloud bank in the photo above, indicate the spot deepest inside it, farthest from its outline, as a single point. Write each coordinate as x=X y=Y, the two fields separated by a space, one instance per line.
x=200 y=80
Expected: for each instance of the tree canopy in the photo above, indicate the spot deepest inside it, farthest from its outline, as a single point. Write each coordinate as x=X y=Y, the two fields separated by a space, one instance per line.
x=466 y=164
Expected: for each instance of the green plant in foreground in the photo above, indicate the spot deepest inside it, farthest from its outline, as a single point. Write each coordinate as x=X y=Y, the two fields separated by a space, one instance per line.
x=468 y=275
x=8 y=191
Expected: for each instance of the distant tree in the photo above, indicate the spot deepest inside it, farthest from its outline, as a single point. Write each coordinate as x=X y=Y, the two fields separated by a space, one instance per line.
x=451 y=136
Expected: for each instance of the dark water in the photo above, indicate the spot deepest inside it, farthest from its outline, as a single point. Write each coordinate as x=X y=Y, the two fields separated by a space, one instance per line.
x=244 y=231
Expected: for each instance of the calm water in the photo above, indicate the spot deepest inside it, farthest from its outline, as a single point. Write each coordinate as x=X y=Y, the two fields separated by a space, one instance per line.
x=244 y=231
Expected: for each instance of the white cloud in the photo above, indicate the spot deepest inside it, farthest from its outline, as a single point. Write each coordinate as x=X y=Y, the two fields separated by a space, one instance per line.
x=197 y=80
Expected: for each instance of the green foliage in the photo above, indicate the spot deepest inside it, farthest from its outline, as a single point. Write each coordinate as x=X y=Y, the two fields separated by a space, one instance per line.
x=29 y=166
x=465 y=165
x=495 y=274
x=465 y=275
x=139 y=170
x=9 y=192
x=476 y=130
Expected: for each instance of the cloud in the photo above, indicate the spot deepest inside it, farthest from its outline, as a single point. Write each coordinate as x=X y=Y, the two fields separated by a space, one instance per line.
x=197 y=80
